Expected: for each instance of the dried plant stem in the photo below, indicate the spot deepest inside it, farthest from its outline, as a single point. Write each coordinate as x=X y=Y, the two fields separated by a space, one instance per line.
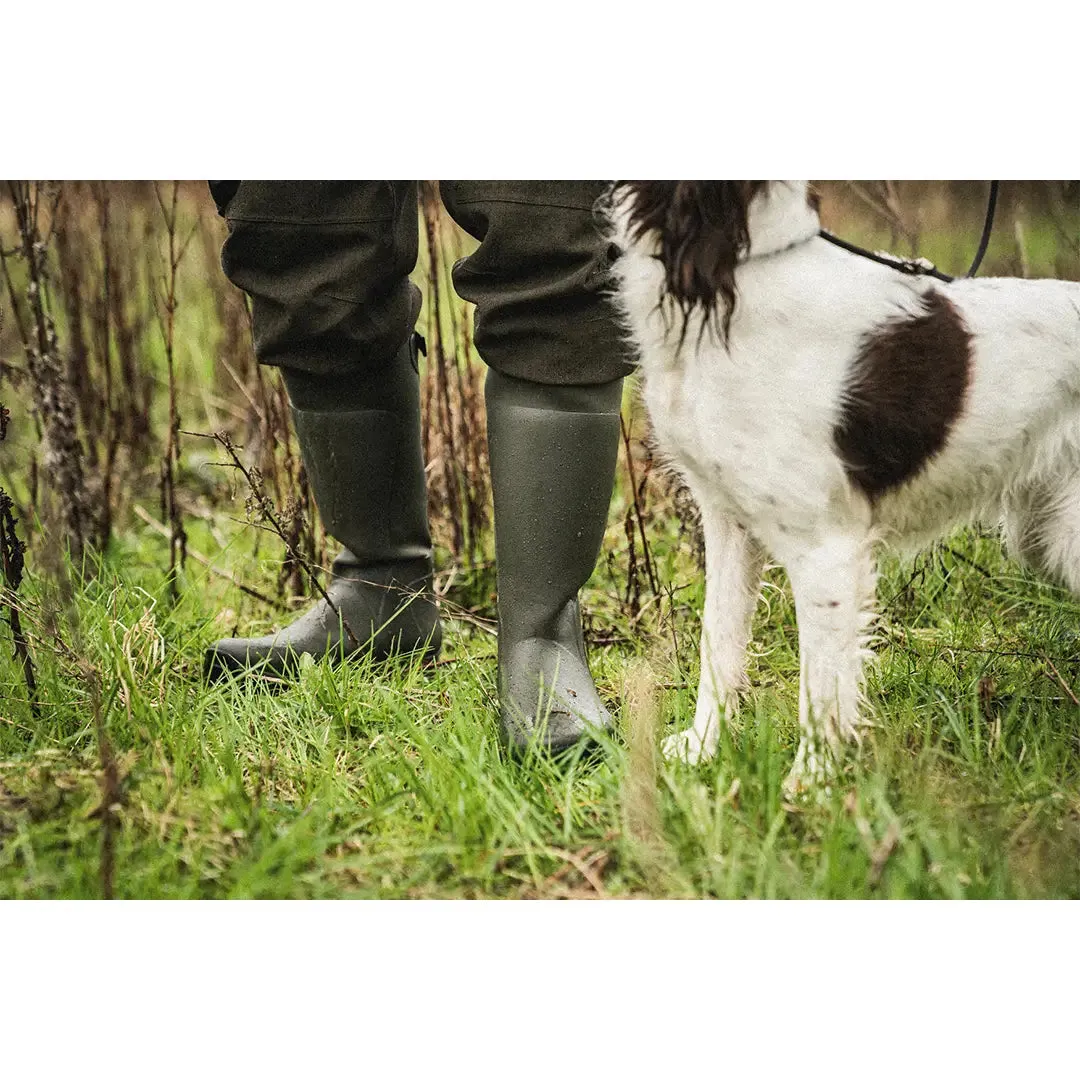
x=261 y=507
x=161 y=530
x=1064 y=211
x=12 y=551
x=291 y=488
x=1064 y=685
x=440 y=415
x=53 y=397
x=1021 y=248
x=886 y=203
x=60 y=603
x=640 y=803
x=638 y=508
x=16 y=310
x=170 y=461
x=455 y=444
x=108 y=783
x=269 y=434
x=468 y=414
x=103 y=321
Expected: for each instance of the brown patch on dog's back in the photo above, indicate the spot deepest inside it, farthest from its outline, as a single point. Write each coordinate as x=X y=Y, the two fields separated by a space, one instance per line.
x=906 y=390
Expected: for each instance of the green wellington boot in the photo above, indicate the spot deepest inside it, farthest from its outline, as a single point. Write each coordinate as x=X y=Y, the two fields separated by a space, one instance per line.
x=552 y=451
x=366 y=470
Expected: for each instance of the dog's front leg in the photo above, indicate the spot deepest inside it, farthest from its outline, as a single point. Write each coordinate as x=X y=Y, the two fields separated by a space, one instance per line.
x=733 y=563
x=834 y=585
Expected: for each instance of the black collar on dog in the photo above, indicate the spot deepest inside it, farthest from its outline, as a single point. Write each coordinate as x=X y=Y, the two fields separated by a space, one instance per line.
x=923 y=267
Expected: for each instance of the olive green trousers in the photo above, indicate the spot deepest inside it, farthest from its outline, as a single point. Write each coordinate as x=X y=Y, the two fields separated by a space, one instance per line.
x=326 y=265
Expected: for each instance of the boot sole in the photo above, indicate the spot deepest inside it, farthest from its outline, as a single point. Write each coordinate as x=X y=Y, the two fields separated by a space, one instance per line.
x=221 y=666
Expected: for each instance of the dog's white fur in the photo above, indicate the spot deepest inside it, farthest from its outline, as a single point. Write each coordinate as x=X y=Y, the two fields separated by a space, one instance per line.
x=750 y=425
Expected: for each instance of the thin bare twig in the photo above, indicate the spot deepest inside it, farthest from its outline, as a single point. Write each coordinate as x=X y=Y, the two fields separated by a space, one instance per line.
x=12 y=551
x=170 y=462
x=635 y=514
x=261 y=506
x=882 y=852
x=109 y=782
x=161 y=530
x=888 y=206
x=1064 y=685
x=53 y=398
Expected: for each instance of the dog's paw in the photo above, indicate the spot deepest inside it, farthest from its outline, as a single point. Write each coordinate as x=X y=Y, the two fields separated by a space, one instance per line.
x=809 y=776
x=688 y=746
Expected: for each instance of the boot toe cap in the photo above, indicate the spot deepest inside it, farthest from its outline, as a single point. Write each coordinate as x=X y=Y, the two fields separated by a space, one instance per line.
x=548 y=695
x=231 y=657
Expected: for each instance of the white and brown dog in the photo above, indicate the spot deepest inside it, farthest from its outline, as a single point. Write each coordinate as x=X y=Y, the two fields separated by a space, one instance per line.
x=817 y=403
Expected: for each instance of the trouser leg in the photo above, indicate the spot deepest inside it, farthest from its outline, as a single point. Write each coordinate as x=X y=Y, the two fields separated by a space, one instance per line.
x=326 y=265
x=539 y=279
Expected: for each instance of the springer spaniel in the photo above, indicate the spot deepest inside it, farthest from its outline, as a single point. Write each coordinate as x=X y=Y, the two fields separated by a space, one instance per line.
x=817 y=403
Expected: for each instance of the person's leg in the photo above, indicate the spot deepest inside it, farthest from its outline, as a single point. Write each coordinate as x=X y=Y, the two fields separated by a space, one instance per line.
x=326 y=265
x=546 y=330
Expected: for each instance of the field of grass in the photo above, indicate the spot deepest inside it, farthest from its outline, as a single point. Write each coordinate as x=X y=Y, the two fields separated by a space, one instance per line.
x=389 y=782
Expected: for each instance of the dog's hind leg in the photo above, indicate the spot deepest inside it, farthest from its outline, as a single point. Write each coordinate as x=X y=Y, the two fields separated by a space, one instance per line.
x=1042 y=529
x=834 y=586
x=1026 y=514
x=733 y=564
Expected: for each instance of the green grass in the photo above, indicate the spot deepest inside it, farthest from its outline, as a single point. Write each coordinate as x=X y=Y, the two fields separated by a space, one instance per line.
x=391 y=783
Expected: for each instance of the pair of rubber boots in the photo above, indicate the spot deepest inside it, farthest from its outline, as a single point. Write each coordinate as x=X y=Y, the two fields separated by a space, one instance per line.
x=552 y=451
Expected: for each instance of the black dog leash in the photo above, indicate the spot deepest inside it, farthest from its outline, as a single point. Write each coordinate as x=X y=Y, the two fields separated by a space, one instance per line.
x=924 y=267
x=988 y=226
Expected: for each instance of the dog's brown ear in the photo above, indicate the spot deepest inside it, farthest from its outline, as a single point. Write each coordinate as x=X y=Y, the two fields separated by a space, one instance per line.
x=703 y=232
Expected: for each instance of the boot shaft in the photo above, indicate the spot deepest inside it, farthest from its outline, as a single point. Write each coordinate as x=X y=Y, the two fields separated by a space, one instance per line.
x=553 y=452
x=362 y=450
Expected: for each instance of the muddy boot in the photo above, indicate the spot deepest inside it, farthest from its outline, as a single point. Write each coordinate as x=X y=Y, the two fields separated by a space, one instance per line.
x=552 y=452
x=361 y=449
